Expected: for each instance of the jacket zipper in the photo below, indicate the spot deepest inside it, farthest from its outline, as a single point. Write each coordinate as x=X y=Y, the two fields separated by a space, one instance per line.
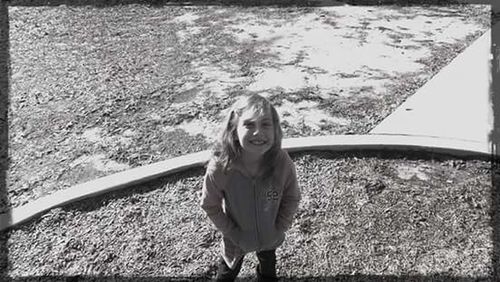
x=256 y=212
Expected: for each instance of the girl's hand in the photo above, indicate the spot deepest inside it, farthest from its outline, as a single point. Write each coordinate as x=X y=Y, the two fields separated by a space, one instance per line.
x=233 y=235
x=280 y=227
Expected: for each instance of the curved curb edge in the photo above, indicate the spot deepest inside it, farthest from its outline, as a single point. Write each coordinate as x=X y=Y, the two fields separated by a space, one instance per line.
x=145 y=173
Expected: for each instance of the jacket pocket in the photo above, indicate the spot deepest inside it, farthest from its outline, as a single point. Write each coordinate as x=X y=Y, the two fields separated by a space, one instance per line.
x=245 y=240
x=272 y=239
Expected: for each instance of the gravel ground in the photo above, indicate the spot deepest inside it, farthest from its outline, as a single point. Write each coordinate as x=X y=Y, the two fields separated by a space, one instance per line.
x=362 y=213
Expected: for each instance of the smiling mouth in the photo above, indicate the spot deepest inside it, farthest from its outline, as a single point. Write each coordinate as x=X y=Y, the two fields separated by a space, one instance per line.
x=258 y=142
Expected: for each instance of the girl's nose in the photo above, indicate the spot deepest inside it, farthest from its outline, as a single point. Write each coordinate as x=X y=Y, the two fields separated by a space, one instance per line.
x=257 y=130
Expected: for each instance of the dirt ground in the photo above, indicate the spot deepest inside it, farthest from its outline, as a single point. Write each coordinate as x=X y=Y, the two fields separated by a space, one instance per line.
x=361 y=214
x=99 y=90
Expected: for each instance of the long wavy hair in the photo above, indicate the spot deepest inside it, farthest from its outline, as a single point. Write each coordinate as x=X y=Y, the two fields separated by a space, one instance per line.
x=227 y=148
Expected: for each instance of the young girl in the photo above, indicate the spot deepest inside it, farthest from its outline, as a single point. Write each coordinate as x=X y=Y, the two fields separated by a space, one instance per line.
x=250 y=190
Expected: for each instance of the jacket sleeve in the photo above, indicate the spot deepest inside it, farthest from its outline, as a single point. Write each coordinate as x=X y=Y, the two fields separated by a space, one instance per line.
x=211 y=202
x=290 y=199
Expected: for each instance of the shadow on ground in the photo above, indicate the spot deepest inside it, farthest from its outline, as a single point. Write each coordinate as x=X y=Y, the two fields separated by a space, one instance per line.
x=495 y=144
x=347 y=278
x=104 y=3
x=4 y=135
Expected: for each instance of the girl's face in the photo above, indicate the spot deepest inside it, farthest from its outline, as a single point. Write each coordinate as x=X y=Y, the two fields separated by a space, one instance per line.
x=255 y=132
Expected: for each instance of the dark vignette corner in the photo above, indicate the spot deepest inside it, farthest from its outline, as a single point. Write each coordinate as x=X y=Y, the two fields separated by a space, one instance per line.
x=4 y=144
x=495 y=137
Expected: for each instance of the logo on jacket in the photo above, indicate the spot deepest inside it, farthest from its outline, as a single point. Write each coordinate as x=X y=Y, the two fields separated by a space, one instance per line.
x=272 y=195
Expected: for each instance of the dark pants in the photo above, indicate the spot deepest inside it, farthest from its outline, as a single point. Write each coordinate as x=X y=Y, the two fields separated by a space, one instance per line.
x=266 y=270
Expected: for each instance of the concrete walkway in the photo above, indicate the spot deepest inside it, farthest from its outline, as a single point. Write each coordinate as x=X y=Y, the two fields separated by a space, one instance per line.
x=454 y=104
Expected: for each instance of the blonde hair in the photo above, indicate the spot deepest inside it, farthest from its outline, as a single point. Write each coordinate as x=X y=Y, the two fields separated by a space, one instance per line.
x=227 y=148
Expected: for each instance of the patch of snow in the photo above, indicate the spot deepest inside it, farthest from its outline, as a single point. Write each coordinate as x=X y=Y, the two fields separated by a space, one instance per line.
x=188 y=18
x=109 y=165
x=253 y=30
x=348 y=46
x=129 y=133
x=93 y=134
x=289 y=78
x=306 y=113
x=408 y=172
x=100 y=163
x=190 y=31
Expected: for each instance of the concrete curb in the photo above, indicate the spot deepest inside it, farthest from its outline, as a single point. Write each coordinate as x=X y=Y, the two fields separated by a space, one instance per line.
x=142 y=174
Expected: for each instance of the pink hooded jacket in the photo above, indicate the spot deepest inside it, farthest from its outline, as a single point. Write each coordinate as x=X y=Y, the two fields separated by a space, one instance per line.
x=252 y=214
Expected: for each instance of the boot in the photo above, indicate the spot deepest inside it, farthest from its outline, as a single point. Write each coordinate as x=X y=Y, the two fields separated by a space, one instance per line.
x=262 y=278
